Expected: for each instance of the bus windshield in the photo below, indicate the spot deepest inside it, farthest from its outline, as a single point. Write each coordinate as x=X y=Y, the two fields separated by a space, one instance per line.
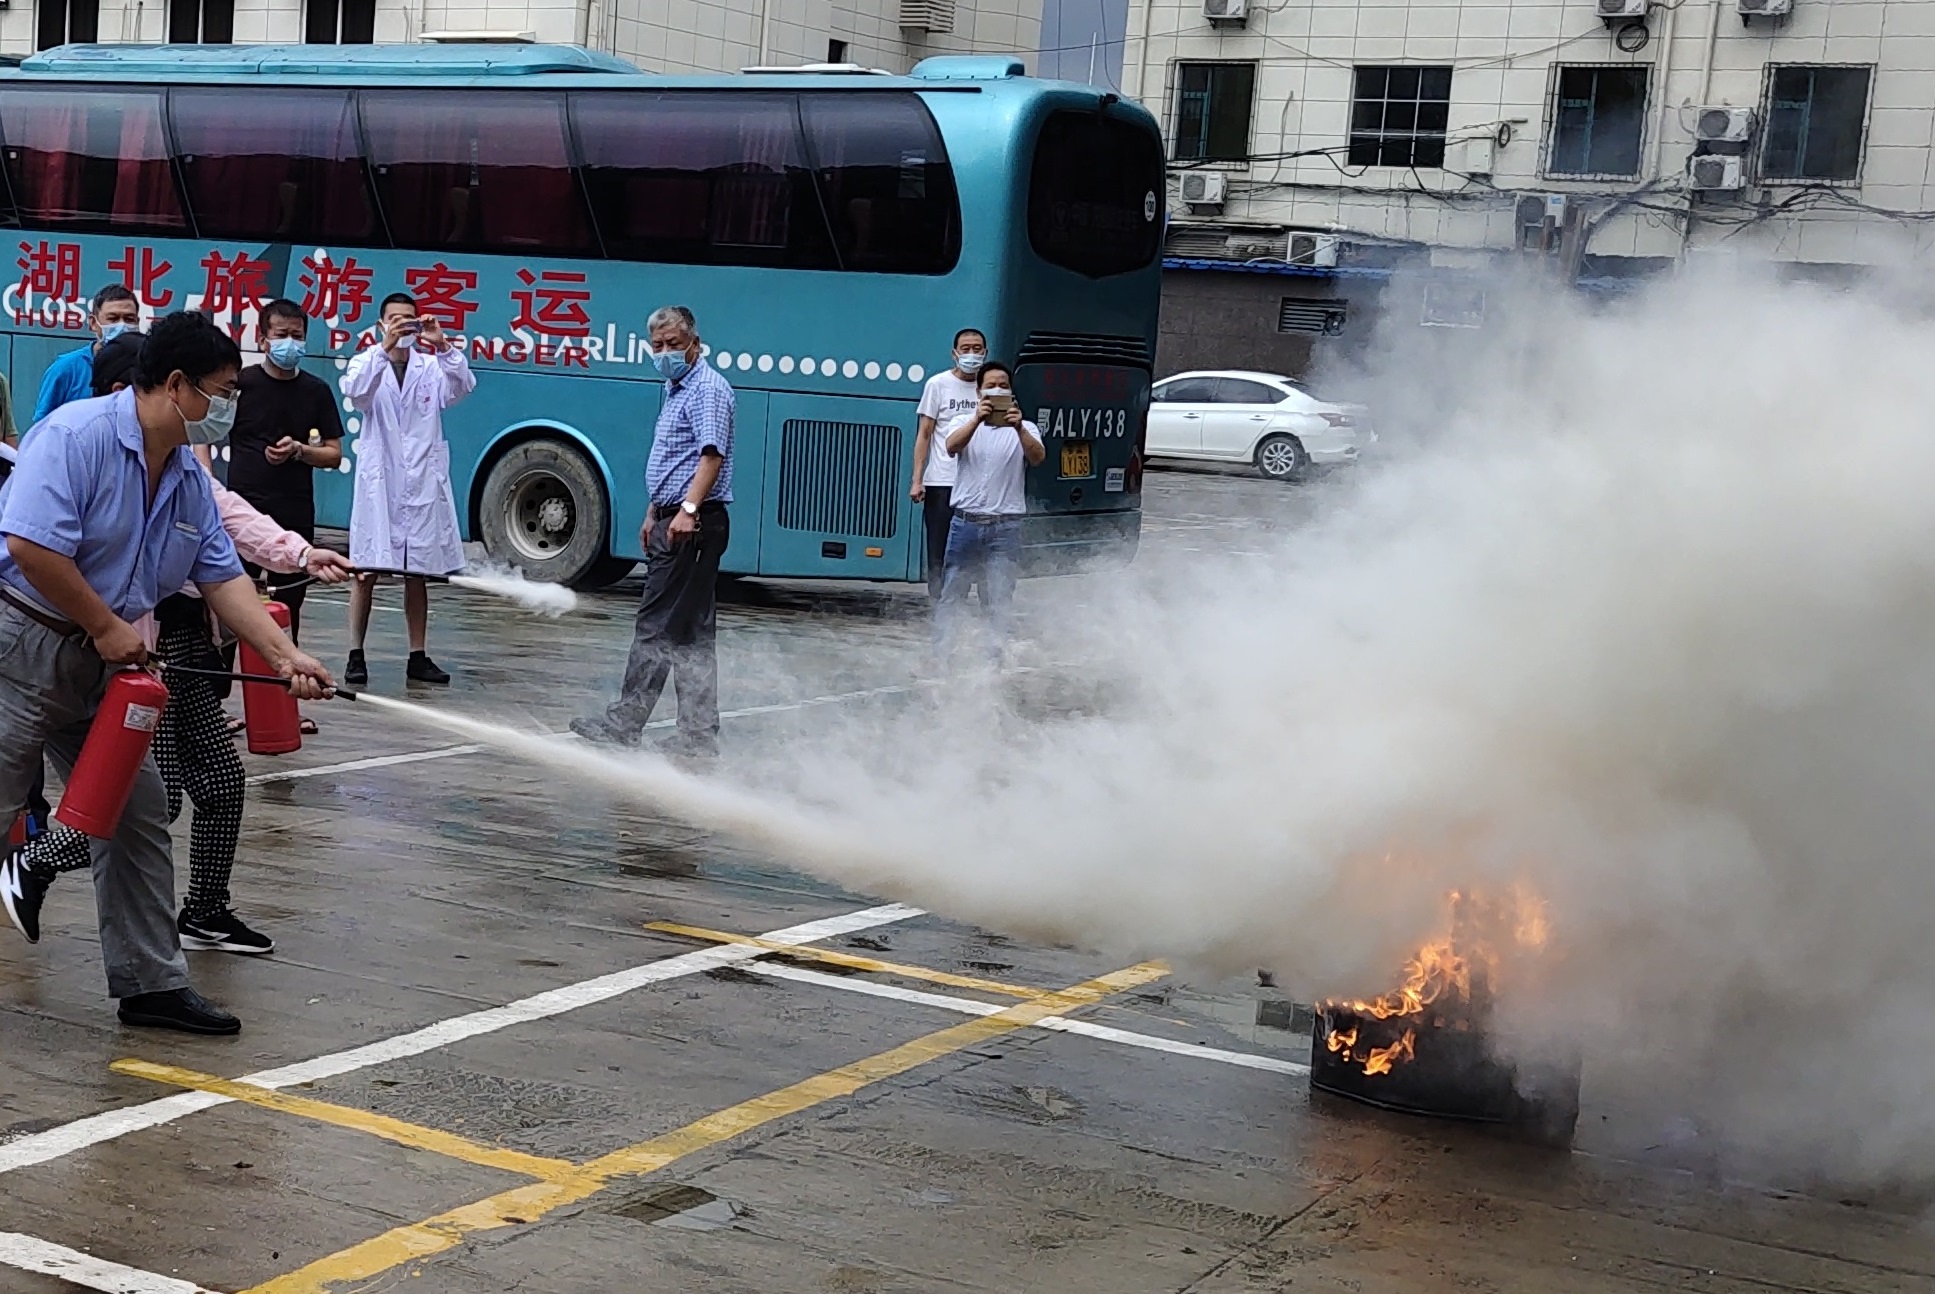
x=1095 y=195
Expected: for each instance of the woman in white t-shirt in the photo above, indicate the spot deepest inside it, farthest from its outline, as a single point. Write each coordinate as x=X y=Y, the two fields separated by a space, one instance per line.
x=993 y=448
x=945 y=399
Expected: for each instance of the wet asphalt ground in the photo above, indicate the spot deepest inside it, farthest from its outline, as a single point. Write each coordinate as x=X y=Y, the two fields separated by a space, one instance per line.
x=508 y=1043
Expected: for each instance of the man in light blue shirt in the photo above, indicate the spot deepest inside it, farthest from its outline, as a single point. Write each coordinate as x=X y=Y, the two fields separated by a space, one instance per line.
x=689 y=477
x=71 y=377
x=106 y=513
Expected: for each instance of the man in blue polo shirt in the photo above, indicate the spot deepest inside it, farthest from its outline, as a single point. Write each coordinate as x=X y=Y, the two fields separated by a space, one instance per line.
x=71 y=377
x=106 y=513
x=689 y=481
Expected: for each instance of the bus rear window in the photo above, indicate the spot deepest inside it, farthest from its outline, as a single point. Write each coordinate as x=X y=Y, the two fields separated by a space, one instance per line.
x=702 y=179
x=90 y=159
x=886 y=182
x=287 y=169
x=1095 y=194
x=477 y=171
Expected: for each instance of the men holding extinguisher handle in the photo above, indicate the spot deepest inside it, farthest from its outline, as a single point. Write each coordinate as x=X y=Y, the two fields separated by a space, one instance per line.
x=101 y=522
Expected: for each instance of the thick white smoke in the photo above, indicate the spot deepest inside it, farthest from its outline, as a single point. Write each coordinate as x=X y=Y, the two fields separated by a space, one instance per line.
x=1646 y=620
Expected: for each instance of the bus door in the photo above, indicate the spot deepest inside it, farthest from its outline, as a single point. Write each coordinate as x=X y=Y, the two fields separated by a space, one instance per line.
x=836 y=489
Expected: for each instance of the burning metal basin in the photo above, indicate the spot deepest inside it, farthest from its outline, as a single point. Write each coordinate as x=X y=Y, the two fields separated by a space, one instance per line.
x=1430 y=1064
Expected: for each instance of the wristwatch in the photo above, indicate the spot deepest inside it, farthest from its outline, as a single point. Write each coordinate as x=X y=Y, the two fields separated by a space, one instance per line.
x=688 y=507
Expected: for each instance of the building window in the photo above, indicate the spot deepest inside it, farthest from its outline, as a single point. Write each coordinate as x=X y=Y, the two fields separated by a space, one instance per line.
x=1398 y=116
x=836 y=51
x=1598 y=117
x=1213 y=102
x=64 y=21
x=340 y=22
x=204 y=22
x=1815 y=119
x=1321 y=315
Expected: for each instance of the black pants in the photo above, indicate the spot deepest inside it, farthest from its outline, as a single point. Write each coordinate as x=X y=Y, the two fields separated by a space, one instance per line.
x=194 y=752
x=676 y=633
x=936 y=514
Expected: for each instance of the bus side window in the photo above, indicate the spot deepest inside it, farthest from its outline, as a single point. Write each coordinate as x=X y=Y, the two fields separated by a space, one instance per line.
x=479 y=171
x=886 y=181
x=286 y=167
x=701 y=178
x=90 y=159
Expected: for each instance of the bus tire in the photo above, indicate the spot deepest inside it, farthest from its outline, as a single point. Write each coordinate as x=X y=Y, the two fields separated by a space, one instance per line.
x=544 y=511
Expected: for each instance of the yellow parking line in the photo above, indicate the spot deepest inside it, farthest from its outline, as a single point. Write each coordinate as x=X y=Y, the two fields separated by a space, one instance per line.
x=343 y=1116
x=528 y=1203
x=834 y=958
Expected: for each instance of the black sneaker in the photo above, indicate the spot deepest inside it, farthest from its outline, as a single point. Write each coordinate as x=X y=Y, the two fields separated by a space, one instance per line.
x=222 y=933
x=422 y=670
x=23 y=890
x=181 y=1008
x=604 y=732
x=358 y=669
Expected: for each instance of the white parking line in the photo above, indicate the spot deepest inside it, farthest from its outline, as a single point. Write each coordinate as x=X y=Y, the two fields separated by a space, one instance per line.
x=1060 y=1024
x=448 y=752
x=40 y=1147
x=77 y=1268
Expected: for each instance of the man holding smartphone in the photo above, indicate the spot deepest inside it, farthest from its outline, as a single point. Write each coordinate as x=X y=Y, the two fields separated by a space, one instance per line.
x=993 y=448
x=403 y=517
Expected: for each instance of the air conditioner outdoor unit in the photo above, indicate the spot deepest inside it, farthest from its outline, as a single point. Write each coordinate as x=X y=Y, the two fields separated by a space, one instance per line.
x=1623 y=10
x=1314 y=249
x=1713 y=172
x=1764 y=8
x=1724 y=125
x=1203 y=188
x=1226 y=10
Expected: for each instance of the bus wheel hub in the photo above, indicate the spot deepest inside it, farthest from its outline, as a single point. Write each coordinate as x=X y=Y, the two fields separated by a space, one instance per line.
x=554 y=515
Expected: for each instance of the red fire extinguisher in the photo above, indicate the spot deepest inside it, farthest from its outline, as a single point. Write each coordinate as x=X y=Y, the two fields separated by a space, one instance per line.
x=274 y=723
x=116 y=745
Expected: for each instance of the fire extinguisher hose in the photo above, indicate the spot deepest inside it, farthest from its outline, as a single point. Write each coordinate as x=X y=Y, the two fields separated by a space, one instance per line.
x=274 y=680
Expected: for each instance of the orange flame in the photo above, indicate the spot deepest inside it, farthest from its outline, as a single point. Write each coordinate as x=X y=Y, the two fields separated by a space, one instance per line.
x=1441 y=972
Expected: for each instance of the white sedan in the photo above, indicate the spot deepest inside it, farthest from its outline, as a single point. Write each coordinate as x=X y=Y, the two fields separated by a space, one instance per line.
x=1231 y=416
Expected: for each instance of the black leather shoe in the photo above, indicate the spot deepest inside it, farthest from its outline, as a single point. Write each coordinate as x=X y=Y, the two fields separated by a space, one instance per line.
x=181 y=1008
x=604 y=732
x=422 y=669
x=358 y=671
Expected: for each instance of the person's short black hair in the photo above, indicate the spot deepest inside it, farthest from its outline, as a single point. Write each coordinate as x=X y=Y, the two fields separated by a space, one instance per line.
x=969 y=332
x=993 y=366
x=116 y=362
x=188 y=342
x=281 y=308
x=112 y=292
x=396 y=298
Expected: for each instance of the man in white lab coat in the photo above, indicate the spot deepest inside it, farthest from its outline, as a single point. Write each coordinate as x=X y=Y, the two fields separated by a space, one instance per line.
x=404 y=517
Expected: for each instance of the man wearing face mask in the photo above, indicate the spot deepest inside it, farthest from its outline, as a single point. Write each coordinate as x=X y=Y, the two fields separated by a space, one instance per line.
x=689 y=480
x=288 y=427
x=71 y=377
x=945 y=398
x=995 y=446
x=102 y=518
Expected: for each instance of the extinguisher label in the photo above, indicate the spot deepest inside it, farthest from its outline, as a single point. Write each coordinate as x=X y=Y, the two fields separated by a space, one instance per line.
x=142 y=718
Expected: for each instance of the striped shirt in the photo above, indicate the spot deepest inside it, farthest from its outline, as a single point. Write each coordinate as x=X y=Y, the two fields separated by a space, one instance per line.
x=697 y=415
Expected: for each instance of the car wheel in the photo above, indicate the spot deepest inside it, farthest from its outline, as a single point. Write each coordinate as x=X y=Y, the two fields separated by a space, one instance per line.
x=1281 y=458
x=544 y=511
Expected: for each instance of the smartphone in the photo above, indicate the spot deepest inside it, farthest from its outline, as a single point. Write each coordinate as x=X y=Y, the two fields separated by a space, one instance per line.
x=410 y=329
x=1001 y=405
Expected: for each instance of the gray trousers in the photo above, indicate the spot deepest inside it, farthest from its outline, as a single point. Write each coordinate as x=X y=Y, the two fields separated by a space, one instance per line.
x=675 y=634
x=49 y=687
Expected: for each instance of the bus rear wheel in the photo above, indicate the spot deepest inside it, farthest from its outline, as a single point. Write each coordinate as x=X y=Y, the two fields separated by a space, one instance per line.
x=544 y=511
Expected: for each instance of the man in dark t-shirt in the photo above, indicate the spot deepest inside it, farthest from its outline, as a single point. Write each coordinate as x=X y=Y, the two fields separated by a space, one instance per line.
x=287 y=428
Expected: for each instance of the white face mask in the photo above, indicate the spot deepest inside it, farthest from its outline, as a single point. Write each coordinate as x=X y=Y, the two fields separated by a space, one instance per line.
x=970 y=363
x=995 y=391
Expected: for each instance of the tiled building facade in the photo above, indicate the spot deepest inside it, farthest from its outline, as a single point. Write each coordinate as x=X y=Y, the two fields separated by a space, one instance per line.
x=1449 y=132
x=658 y=35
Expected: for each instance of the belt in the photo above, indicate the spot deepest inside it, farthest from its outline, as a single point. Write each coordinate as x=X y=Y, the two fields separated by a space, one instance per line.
x=26 y=607
x=986 y=518
x=656 y=510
